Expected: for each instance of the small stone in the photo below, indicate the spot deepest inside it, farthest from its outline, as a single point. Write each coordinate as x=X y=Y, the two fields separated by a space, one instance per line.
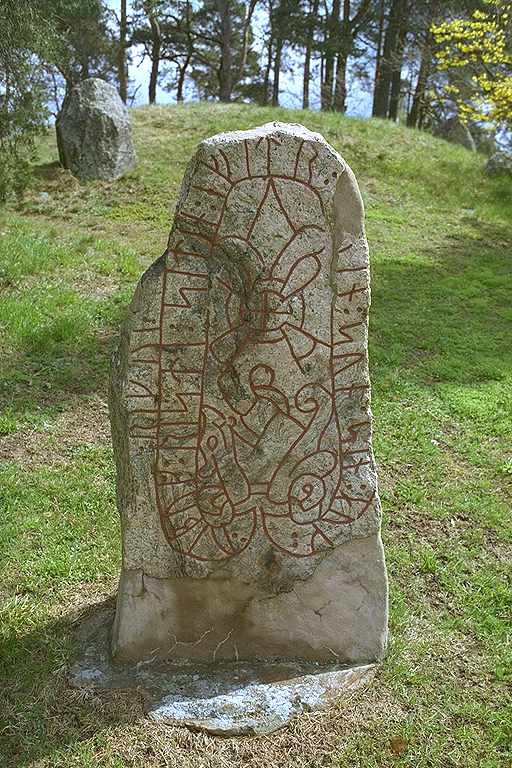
x=398 y=746
x=241 y=421
x=499 y=164
x=93 y=132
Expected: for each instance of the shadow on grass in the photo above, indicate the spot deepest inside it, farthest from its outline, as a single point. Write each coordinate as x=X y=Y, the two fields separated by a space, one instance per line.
x=32 y=381
x=60 y=347
x=444 y=315
x=42 y=713
x=494 y=235
x=48 y=171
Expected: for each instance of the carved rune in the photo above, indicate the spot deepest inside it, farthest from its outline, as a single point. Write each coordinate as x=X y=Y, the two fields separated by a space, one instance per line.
x=252 y=385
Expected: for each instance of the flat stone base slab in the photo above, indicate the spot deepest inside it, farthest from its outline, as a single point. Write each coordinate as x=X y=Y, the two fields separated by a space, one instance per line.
x=226 y=699
x=241 y=699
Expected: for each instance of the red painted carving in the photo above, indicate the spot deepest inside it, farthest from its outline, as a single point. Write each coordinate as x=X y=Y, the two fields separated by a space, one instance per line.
x=215 y=486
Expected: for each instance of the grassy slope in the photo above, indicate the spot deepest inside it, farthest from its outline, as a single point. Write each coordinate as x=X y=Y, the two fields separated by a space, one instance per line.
x=440 y=234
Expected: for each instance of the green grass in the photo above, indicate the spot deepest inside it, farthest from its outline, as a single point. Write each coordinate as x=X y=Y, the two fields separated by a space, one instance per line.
x=440 y=234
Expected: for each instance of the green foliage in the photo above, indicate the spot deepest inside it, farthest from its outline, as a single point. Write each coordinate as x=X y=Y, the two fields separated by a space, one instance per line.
x=208 y=43
x=24 y=33
x=83 y=44
x=176 y=21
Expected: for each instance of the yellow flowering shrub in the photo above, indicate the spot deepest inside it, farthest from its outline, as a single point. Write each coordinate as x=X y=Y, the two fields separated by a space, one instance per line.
x=475 y=52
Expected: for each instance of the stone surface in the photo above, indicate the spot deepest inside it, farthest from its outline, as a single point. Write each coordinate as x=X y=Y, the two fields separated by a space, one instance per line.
x=499 y=164
x=237 y=699
x=226 y=699
x=456 y=132
x=240 y=408
x=93 y=132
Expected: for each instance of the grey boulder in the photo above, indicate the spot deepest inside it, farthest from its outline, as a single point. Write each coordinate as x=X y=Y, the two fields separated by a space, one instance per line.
x=455 y=132
x=499 y=164
x=93 y=132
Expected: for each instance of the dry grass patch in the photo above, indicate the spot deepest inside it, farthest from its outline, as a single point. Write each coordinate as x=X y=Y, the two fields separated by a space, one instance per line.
x=83 y=422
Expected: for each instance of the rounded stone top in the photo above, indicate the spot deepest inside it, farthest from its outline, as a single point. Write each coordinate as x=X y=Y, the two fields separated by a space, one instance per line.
x=294 y=131
x=98 y=94
x=274 y=127
x=289 y=148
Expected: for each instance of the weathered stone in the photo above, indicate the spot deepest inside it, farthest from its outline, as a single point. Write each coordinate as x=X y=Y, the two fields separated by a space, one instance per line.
x=227 y=698
x=236 y=699
x=455 y=132
x=499 y=164
x=93 y=132
x=240 y=407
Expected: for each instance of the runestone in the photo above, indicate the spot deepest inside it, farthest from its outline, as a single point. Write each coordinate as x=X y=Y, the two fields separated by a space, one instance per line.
x=240 y=409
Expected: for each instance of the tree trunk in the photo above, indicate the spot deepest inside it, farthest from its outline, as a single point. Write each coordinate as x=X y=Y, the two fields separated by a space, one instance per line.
x=153 y=77
x=305 y=76
x=251 y=7
x=268 y=69
x=156 y=45
x=84 y=69
x=122 y=73
x=181 y=78
x=326 y=92
x=226 y=54
x=330 y=52
x=277 y=72
x=69 y=84
x=382 y=92
x=313 y=13
x=344 y=47
x=379 y=54
x=340 y=91
x=416 y=116
x=180 y=85
x=398 y=58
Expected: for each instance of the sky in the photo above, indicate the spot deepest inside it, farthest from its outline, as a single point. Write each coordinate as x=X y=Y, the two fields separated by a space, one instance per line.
x=359 y=102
